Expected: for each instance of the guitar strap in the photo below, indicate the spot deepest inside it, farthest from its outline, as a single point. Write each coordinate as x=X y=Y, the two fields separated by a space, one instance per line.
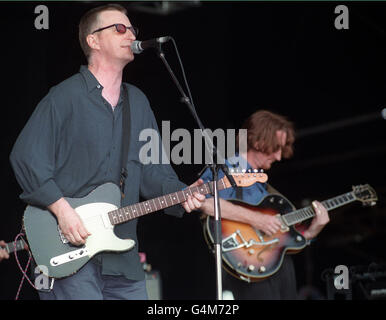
x=125 y=138
x=239 y=190
x=239 y=193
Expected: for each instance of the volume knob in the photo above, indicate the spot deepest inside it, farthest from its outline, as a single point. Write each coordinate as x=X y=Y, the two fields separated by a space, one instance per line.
x=251 y=267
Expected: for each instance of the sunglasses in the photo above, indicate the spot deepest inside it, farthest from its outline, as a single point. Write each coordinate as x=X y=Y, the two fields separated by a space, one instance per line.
x=121 y=28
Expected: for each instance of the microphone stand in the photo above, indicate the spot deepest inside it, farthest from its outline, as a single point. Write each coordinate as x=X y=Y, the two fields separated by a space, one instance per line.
x=214 y=167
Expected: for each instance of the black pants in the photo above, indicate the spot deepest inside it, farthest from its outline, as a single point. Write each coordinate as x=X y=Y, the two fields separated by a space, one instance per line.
x=279 y=286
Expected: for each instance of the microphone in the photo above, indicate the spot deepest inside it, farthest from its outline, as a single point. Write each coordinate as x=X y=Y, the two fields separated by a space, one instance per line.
x=138 y=46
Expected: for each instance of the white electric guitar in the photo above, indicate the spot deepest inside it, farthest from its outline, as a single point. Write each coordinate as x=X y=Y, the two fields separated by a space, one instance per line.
x=99 y=213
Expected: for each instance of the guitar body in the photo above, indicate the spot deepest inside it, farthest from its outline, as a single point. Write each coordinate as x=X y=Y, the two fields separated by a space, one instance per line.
x=249 y=254
x=59 y=257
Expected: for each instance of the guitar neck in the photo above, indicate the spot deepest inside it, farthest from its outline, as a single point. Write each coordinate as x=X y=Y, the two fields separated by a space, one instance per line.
x=142 y=208
x=10 y=246
x=306 y=213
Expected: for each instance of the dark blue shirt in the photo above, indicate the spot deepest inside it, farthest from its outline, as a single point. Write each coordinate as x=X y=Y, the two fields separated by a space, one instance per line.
x=72 y=143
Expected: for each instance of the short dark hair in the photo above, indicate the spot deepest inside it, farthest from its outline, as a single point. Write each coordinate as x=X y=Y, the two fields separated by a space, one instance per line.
x=89 y=21
x=262 y=127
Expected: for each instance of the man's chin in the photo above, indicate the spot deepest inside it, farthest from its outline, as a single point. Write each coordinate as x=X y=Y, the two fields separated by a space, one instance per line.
x=126 y=60
x=130 y=57
x=266 y=167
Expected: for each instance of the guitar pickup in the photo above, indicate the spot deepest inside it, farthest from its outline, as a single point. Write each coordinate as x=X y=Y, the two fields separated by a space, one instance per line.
x=284 y=227
x=61 y=235
x=68 y=257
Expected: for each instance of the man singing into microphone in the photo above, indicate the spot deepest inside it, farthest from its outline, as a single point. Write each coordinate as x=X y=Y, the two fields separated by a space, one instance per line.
x=72 y=144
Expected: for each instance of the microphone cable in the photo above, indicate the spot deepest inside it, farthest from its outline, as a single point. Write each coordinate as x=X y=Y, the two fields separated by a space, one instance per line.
x=183 y=71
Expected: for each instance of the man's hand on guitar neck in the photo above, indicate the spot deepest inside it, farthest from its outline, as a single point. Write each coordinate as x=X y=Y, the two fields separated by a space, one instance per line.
x=3 y=253
x=318 y=222
x=69 y=222
x=196 y=201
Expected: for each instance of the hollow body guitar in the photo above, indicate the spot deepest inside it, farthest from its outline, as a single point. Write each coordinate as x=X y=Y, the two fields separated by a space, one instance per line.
x=250 y=255
x=100 y=212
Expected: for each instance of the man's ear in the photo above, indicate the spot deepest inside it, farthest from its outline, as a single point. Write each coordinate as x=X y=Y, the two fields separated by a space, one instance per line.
x=92 y=41
x=256 y=145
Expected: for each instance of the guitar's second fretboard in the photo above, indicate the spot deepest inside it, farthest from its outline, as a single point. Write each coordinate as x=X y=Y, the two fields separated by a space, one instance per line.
x=300 y=215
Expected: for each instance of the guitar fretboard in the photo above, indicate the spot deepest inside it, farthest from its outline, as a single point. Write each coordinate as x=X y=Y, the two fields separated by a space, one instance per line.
x=303 y=214
x=10 y=246
x=142 y=208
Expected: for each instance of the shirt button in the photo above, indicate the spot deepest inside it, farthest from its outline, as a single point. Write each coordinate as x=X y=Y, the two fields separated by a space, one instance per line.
x=98 y=86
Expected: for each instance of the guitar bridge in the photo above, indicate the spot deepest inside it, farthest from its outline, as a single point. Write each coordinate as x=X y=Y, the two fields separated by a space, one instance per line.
x=231 y=243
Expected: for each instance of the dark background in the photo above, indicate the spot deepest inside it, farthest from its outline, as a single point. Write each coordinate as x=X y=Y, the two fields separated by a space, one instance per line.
x=238 y=57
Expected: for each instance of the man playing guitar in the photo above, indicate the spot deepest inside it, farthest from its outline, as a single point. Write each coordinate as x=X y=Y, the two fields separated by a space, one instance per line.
x=270 y=138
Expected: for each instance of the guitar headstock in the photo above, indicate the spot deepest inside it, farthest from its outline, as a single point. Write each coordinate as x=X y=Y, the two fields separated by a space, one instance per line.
x=246 y=178
x=365 y=194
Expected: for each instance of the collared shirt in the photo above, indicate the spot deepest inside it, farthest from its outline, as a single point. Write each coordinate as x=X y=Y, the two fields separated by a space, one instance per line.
x=72 y=143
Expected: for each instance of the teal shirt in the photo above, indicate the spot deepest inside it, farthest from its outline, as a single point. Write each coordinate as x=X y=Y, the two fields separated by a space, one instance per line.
x=72 y=143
